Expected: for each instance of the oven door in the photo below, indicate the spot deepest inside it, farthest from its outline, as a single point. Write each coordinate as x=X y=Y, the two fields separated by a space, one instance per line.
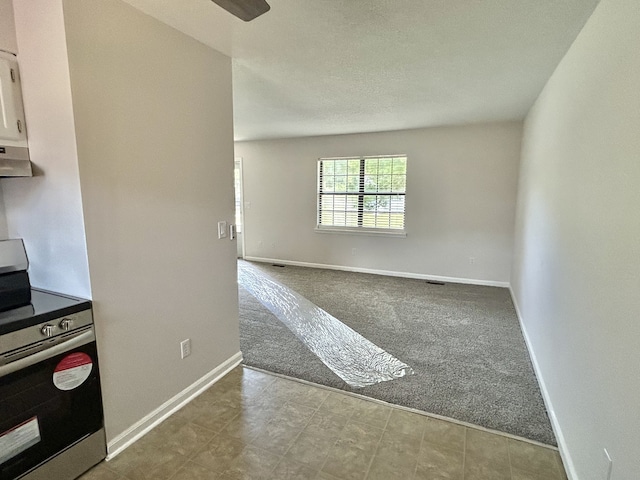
x=49 y=401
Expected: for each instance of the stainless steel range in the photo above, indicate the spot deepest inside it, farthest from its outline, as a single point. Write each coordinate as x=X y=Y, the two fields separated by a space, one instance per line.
x=51 y=419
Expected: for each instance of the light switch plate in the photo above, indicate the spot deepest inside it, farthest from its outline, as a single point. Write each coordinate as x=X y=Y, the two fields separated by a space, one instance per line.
x=222 y=229
x=185 y=348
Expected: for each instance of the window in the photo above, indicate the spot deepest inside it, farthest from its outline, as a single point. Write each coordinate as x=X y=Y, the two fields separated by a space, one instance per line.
x=362 y=193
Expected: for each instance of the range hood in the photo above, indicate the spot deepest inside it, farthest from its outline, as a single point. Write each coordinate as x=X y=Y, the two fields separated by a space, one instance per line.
x=14 y=149
x=14 y=161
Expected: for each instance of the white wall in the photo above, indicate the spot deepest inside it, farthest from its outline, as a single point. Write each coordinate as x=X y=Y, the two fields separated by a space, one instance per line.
x=153 y=112
x=46 y=210
x=576 y=275
x=7 y=29
x=460 y=201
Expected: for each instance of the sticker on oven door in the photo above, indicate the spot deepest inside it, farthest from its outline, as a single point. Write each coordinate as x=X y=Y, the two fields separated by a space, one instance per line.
x=18 y=439
x=72 y=371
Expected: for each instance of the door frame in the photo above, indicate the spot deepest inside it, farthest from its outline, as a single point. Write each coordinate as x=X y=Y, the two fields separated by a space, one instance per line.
x=237 y=163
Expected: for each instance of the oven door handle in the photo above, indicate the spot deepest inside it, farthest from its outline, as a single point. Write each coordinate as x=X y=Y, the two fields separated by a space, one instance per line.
x=82 y=339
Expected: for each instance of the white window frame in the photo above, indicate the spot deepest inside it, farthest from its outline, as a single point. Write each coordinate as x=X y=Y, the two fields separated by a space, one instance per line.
x=360 y=194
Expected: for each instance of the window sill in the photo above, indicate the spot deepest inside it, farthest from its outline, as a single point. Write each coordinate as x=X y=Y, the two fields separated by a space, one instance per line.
x=362 y=231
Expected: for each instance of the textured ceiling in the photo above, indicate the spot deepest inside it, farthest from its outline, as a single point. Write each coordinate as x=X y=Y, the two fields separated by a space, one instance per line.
x=317 y=67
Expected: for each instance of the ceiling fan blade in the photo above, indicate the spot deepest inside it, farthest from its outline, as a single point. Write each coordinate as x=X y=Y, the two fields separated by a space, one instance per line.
x=244 y=9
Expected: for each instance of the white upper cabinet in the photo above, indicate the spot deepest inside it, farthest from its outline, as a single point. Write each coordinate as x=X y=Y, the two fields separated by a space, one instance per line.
x=8 y=41
x=12 y=124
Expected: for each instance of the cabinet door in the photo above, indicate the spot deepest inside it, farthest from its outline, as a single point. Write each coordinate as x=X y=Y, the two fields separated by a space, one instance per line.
x=11 y=114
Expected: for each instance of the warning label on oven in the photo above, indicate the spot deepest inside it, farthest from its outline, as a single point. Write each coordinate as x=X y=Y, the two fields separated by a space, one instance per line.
x=72 y=371
x=18 y=439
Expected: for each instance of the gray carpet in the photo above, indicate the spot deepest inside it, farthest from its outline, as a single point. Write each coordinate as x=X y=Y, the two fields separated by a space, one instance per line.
x=463 y=342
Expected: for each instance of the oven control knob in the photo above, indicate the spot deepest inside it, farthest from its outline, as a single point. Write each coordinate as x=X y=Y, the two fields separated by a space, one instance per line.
x=47 y=330
x=66 y=324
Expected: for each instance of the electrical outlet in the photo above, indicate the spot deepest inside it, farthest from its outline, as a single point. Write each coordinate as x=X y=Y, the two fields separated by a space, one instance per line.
x=472 y=260
x=354 y=251
x=609 y=465
x=185 y=348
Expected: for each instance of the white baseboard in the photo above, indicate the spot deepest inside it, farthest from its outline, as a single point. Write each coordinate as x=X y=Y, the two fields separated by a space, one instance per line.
x=144 y=425
x=388 y=273
x=557 y=430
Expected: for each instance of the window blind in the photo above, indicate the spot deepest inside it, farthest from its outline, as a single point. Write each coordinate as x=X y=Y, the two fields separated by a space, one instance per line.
x=362 y=192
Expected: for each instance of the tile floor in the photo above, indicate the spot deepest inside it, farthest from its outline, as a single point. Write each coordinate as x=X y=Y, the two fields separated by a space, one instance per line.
x=251 y=425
